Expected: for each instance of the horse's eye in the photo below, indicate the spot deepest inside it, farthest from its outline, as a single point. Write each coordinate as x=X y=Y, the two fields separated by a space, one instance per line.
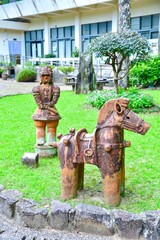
x=128 y=117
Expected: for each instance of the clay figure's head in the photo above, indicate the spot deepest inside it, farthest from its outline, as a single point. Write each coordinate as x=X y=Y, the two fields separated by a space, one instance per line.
x=46 y=75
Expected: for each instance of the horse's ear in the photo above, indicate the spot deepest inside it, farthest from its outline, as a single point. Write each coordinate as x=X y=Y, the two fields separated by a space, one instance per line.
x=118 y=108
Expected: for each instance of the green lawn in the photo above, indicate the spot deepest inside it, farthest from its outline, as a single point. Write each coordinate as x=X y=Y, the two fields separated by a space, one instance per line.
x=43 y=184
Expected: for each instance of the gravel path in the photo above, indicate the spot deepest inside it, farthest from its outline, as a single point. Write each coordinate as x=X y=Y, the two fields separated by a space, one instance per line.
x=12 y=87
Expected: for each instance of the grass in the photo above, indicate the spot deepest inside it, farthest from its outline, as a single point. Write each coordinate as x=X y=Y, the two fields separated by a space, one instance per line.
x=43 y=184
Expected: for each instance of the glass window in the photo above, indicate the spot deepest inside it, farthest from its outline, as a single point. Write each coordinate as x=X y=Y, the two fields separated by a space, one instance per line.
x=145 y=34
x=135 y=23
x=94 y=29
x=61 y=49
x=60 y=33
x=27 y=36
x=68 y=48
x=85 y=29
x=33 y=35
x=109 y=26
x=72 y=31
x=85 y=44
x=155 y=21
x=39 y=34
x=154 y=35
x=145 y=22
x=53 y=33
x=28 y=50
x=102 y=28
x=67 y=32
x=73 y=45
x=54 y=48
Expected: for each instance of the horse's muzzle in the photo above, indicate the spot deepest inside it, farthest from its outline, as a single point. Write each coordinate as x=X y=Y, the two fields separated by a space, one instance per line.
x=143 y=128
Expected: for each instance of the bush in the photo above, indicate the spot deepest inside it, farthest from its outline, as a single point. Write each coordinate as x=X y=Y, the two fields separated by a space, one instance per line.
x=47 y=64
x=66 y=70
x=139 y=101
x=1 y=71
x=50 y=55
x=146 y=73
x=26 y=75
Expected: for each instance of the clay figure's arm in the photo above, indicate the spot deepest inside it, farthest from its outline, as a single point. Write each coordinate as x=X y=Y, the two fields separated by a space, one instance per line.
x=36 y=95
x=56 y=95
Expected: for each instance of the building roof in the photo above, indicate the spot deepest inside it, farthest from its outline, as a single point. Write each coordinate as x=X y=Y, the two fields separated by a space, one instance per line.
x=26 y=10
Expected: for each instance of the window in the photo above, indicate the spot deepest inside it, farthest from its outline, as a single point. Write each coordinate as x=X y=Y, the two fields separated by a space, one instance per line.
x=93 y=30
x=145 y=22
x=146 y=25
x=34 y=43
x=135 y=23
x=62 y=41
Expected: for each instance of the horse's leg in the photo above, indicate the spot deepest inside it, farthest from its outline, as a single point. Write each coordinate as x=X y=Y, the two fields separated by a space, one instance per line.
x=80 y=176
x=69 y=182
x=111 y=189
x=122 y=187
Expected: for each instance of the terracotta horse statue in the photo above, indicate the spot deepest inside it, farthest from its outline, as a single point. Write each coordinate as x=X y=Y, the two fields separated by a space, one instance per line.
x=103 y=148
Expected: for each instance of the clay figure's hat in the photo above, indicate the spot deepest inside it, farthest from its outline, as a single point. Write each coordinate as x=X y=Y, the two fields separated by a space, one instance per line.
x=46 y=70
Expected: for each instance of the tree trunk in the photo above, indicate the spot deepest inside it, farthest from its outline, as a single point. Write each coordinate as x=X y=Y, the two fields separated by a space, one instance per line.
x=124 y=24
x=86 y=79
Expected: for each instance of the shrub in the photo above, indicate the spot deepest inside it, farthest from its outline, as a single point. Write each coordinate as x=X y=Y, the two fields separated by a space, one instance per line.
x=146 y=73
x=26 y=75
x=50 y=55
x=66 y=70
x=139 y=101
x=1 y=71
x=47 y=64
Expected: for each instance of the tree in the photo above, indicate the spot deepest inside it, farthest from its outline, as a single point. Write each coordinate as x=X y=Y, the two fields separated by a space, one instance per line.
x=86 y=79
x=116 y=48
x=124 y=14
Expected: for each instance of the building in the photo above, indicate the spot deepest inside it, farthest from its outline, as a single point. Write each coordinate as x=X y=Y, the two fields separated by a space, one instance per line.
x=34 y=28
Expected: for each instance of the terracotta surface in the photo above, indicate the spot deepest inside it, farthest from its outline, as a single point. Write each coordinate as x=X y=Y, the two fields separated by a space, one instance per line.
x=46 y=116
x=103 y=148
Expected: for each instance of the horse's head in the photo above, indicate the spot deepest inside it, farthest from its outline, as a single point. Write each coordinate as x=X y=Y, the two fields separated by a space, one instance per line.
x=122 y=116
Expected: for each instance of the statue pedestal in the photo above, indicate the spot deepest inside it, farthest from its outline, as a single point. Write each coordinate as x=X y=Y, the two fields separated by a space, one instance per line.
x=45 y=151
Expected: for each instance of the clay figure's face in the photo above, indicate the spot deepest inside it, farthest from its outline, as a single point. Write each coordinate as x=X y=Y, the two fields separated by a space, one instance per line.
x=46 y=79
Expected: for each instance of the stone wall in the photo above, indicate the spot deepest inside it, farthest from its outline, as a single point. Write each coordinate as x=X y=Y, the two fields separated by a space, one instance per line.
x=82 y=218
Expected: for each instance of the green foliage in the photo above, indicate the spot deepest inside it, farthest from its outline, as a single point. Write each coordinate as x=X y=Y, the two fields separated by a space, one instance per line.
x=146 y=73
x=50 y=55
x=118 y=48
x=26 y=75
x=66 y=70
x=28 y=65
x=46 y=64
x=1 y=71
x=75 y=53
x=139 y=101
x=43 y=183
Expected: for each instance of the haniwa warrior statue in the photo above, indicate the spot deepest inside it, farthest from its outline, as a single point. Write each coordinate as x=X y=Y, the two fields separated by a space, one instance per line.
x=46 y=116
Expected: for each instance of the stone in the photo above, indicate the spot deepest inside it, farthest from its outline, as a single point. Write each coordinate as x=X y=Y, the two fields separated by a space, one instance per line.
x=8 y=200
x=30 y=214
x=30 y=159
x=127 y=225
x=59 y=215
x=1 y=187
x=95 y=220
x=45 y=151
x=152 y=225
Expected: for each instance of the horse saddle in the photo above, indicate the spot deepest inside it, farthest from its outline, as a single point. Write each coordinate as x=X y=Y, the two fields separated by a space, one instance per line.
x=84 y=150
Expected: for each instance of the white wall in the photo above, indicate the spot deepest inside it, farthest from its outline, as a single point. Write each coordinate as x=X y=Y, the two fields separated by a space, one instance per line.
x=145 y=7
x=7 y=35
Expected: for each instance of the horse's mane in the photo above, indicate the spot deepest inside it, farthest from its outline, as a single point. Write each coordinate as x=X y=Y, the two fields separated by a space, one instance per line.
x=106 y=110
